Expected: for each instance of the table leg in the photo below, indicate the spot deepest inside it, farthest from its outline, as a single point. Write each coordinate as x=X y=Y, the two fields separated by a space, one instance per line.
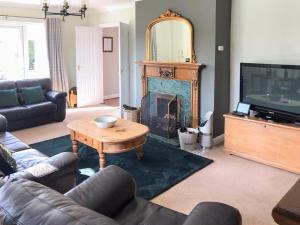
x=75 y=146
x=139 y=152
x=102 y=160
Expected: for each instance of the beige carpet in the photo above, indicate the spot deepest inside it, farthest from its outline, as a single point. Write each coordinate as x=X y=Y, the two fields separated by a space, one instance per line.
x=251 y=187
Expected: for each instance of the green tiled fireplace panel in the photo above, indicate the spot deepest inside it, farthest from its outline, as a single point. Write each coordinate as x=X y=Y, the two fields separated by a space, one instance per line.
x=179 y=88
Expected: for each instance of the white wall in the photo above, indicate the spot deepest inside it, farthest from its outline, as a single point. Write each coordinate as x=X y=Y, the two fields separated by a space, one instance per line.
x=125 y=16
x=263 y=31
x=68 y=32
x=111 y=65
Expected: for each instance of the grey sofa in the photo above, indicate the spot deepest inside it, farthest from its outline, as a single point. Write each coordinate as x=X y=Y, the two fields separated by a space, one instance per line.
x=106 y=198
x=25 y=116
x=58 y=172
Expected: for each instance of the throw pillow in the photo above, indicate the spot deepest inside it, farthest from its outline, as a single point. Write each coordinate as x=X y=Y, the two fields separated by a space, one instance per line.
x=9 y=98
x=33 y=95
x=7 y=163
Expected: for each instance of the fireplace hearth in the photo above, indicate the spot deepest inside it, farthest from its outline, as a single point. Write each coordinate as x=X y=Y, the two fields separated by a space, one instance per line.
x=161 y=113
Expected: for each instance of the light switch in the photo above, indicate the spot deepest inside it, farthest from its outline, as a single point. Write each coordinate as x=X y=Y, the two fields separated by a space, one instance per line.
x=220 y=48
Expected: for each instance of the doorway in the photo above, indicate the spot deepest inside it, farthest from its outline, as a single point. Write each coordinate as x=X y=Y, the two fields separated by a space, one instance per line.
x=111 y=64
x=94 y=85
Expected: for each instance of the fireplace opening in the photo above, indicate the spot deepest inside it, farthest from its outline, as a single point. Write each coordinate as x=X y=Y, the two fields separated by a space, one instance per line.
x=161 y=113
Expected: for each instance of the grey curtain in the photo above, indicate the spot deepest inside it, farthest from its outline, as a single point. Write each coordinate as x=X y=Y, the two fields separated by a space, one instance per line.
x=57 y=68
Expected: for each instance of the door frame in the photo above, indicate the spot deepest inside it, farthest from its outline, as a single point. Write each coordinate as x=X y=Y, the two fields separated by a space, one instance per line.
x=118 y=25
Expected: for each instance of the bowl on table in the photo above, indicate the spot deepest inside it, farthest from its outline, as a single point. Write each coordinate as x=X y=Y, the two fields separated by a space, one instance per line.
x=105 y=121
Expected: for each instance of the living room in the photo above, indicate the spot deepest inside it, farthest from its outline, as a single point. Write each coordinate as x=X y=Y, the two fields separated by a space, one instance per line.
x=186 y=77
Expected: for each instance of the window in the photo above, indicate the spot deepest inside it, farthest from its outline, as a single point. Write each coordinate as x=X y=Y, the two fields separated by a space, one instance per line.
x=23 y=50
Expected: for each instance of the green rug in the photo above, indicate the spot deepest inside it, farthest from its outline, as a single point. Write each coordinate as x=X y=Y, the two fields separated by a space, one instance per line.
x=162 y=166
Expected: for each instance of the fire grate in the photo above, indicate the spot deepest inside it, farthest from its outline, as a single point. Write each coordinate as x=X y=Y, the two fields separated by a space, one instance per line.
x=161 y=113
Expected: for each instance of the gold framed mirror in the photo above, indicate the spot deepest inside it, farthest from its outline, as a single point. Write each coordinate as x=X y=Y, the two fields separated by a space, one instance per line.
x=170 y=38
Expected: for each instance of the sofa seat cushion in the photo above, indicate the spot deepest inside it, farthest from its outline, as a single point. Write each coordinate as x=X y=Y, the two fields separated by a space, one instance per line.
x=42 y=108
x=29 y=203
x=15 y=113
x=28 y=158
x=148 y=213
x=12 y=143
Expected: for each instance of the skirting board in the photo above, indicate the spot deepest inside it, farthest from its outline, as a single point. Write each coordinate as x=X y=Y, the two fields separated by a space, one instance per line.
x=219 y=140
x=111 y=96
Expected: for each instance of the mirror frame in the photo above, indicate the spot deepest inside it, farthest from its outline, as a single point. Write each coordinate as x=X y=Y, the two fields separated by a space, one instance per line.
x=170 y=15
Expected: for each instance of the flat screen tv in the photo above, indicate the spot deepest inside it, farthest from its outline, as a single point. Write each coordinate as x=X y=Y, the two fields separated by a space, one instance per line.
x=272 y=90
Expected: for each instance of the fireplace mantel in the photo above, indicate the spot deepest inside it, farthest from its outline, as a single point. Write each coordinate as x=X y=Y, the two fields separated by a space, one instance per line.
x=190 y=72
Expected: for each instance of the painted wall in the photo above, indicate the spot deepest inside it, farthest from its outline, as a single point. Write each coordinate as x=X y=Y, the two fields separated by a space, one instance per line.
x=68 y=32
x=222 y=68
x=125 y=16
x=111 y=65
x=203 y=16
x=263 y=31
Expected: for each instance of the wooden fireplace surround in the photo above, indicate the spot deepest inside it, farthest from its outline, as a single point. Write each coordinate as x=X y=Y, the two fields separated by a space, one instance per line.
x=176 y=71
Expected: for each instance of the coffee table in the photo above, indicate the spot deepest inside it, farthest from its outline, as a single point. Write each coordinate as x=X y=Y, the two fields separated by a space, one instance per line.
x=123 y=137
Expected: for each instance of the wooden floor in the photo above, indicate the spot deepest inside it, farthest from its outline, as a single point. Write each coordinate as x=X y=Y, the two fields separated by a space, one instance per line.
x=114 y=102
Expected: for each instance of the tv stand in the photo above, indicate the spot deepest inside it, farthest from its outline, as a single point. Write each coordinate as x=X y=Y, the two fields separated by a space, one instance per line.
x=272 y=143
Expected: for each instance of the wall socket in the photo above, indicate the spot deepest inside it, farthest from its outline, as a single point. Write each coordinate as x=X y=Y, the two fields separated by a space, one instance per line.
x=220 y=48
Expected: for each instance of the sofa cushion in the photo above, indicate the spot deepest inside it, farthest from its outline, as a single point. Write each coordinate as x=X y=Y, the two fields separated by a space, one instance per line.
x=28 y=158
x=31 y=95
x=7 y=84
x=45 y=83
x=8 y=160
x=29 y=203
x=148 y=213
x=15 y=113
x=9 y=98
x=42 y=108
x=12 y=143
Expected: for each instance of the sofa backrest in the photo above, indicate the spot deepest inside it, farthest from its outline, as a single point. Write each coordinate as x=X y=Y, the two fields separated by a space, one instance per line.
x=45 y=83
x=29 y=203
x=7 y=84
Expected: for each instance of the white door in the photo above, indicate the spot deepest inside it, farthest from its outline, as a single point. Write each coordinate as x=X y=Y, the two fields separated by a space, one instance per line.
x=124 y=65
x=89 y=63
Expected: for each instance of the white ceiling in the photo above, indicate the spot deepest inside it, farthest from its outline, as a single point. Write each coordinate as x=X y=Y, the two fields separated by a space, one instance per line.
x=94 y=5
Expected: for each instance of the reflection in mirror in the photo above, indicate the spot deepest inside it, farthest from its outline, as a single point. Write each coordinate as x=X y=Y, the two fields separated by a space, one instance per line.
x=170 y=42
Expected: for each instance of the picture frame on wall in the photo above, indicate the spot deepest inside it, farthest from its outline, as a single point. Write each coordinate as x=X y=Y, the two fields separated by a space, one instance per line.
x=107 y=44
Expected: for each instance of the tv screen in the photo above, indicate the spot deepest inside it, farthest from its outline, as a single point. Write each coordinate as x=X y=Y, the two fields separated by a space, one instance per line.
x=271 y=87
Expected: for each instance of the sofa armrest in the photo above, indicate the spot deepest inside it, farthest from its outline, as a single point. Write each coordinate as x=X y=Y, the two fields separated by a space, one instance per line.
x=106 y=192
x=50 y=171
x=53 y=96
x=58 y=98
x=3 y=124
x=213 y=213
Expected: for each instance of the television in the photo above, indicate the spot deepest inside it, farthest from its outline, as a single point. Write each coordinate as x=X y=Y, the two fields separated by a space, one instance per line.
x=272 y=90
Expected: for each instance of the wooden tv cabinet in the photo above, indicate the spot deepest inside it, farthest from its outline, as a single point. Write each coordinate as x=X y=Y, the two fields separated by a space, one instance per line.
x=271 y=143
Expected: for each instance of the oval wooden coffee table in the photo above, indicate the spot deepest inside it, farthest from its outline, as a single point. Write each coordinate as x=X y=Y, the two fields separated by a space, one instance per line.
x=123 y=137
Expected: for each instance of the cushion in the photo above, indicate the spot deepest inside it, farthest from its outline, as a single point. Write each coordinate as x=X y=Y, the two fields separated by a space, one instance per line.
x=15 y=113
x=42 y=108
x=7 y=162
x=33 y=95
x=9 y=98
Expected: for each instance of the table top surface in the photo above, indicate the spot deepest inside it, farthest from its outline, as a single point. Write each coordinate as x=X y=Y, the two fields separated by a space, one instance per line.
x=123 y=130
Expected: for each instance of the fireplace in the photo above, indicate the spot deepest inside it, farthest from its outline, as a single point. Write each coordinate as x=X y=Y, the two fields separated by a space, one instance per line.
x=161 y=113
